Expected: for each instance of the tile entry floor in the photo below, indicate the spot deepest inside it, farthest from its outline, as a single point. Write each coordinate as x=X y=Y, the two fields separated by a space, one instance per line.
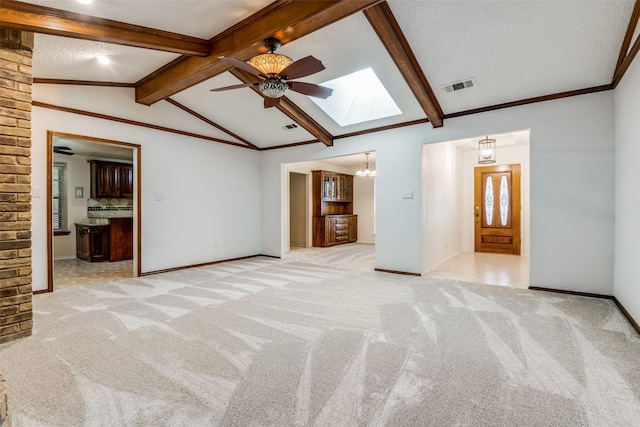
x=491 y=269
x=68 y=273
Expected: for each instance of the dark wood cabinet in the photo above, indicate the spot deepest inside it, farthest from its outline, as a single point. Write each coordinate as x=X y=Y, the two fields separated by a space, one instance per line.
x=92 y=242
x=333 y=219
x=126 y=181
x=111 y=180
x=120 y=239
x=112 y=242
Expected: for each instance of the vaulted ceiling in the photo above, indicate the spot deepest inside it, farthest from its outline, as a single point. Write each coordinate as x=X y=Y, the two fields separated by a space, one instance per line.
x=165 y=57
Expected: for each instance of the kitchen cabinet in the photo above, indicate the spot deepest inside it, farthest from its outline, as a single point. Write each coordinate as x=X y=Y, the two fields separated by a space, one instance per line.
x=120 y=239
x=92 y=242
x=332 y=204
x=105 y=242
x=111 y=180
x=334 y=230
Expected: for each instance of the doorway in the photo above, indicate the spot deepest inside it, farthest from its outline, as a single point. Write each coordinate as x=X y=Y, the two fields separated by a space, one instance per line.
x=70 y=163
x=497 y=209
x=297 y=210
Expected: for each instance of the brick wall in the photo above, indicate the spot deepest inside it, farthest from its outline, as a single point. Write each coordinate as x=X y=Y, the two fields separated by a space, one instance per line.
x=15 y=184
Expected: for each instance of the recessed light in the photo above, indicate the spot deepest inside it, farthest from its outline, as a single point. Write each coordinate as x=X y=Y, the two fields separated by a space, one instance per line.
x=103 y=59
x=84 y=1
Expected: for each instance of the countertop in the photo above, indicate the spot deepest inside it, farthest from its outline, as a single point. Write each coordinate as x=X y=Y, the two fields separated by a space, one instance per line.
x=89 y=221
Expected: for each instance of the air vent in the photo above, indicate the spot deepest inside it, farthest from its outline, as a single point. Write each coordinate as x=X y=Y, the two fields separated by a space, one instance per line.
x=462 y=84
x=289 y=127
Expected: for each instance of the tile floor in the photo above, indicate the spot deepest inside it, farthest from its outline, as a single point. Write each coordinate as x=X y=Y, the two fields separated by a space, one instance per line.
x=491 y=269
x=68 y=273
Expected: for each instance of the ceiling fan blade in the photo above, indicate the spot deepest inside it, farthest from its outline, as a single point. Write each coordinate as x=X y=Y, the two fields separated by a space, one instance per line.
x=66 y=153
x=302 y=68
x=220 y=89
x=310 y=89
x=243 y=66
x=61 y=147
x=271 y=102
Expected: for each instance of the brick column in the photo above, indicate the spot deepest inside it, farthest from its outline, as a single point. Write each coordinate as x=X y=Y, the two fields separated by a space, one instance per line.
x=15 y=184
x=4 y=416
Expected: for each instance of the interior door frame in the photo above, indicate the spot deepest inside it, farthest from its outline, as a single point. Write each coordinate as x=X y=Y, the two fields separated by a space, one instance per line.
x=516 y=203
x=137 y=260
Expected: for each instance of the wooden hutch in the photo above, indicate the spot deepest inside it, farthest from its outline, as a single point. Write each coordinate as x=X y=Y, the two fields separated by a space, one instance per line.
x=333 y=219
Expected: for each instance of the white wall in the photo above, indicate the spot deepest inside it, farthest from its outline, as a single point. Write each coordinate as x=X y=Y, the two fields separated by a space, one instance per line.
x=627 y=135
x=572 y=152
x=77 y=175
x=513 y=154
x=211 y=191
x=363 y=197
x=442 y=199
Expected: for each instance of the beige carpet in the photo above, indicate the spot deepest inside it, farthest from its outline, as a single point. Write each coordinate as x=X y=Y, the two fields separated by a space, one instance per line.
x=281 y=343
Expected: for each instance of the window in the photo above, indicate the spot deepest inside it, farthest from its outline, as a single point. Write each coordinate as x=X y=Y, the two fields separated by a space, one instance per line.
x=357 y=97
x=59 y=199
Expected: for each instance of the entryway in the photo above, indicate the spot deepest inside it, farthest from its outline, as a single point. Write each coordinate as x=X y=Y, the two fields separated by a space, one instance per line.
x=451 y=209
x=93 y=233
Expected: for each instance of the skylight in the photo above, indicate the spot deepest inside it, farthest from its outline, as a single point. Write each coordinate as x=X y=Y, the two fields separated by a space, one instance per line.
x=357 y=97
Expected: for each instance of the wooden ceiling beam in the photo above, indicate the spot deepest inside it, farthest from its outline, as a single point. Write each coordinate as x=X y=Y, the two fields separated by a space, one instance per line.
x=46 y=20
x=633 y=22
x=626 y=56
x=210 y=122
x=291 y=110
x=385 y=25
x=287 y=20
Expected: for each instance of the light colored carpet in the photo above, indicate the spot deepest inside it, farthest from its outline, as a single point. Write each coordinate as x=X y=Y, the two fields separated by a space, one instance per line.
x=281 y=342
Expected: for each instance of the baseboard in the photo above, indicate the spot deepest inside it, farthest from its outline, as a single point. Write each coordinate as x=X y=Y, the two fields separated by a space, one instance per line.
x=618 y=304
x=627 y=315
x=562 y=291
x=204 y=264
x=406 y=273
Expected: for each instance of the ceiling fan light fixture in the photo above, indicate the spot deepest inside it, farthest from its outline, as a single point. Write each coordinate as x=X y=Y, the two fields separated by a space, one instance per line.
x=273 y=88
x=270 y=64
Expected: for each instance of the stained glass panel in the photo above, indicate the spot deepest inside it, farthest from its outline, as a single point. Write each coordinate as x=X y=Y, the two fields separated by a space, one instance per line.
x=504 y=200
x=488 y=200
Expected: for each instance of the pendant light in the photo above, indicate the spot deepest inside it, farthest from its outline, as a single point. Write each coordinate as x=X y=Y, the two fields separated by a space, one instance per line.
x=487 y=150
x=365 y=170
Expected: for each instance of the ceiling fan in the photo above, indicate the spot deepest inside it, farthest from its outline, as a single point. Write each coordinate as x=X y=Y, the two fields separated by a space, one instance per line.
x=276 y=73
x=63 y=150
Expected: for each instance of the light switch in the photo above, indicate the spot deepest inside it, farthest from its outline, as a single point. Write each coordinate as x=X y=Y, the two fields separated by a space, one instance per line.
x=407 y=194
x=158 y=197
x=37 y=192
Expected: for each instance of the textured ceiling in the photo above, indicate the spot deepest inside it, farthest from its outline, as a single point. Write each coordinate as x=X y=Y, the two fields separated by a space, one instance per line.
x=515 y=50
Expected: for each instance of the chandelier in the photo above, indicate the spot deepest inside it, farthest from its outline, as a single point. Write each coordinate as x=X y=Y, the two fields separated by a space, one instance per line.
x=487 y=150
x=365 y=170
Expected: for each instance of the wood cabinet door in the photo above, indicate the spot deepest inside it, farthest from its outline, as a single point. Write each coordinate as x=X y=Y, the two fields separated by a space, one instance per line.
x=82 y=243
x=353 y=228
x=330 y=231
x=120 y=239
x=99 y=243
x=108 y=180
x=126 y=181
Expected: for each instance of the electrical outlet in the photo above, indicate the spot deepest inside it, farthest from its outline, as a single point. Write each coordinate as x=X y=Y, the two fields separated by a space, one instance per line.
x=158 y=197
x=407 y=194
x=37 y=192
